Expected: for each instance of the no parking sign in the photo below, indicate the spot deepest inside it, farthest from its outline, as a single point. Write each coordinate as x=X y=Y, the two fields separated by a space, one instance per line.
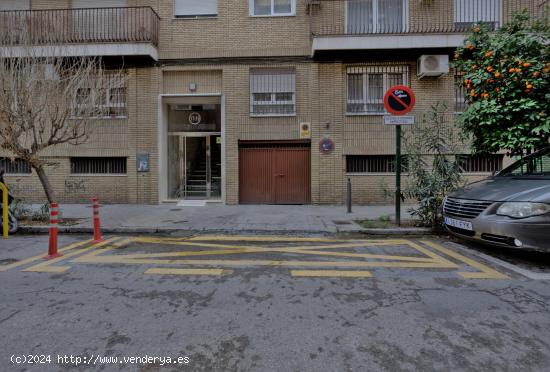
x=399 y=100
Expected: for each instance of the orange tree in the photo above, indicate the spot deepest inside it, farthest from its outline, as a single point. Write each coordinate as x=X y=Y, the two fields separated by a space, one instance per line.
x=507 y=79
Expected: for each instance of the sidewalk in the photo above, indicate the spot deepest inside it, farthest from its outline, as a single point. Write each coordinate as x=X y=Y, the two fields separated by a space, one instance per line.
x=219 y=218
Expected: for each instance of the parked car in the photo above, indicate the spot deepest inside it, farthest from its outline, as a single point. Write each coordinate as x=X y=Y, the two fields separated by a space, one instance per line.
x=510 y=209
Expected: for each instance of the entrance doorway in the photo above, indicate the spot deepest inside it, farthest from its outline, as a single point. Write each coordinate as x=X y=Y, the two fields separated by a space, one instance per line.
x=194 y=167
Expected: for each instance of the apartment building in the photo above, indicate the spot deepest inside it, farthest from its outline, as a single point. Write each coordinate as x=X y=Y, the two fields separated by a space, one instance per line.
x=250 y=101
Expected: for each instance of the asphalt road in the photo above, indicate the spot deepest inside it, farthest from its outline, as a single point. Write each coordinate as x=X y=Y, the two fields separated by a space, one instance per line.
x=236 y=304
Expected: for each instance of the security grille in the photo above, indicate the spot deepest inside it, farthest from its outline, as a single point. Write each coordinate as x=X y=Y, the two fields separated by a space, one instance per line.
x=465 y=208
x=480 y=163
x=373 y=164
x=272 y=92
x=98 y=165
x=17 y=166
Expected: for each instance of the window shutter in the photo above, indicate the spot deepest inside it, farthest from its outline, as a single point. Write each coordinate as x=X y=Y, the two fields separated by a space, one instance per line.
x=15 y=5
x=79 y=4
x=183 y=8
x=475 y=11
x=272 y=81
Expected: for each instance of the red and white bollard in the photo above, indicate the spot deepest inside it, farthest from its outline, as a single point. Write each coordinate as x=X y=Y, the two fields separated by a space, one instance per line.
x=54 y=219
x=97 y=226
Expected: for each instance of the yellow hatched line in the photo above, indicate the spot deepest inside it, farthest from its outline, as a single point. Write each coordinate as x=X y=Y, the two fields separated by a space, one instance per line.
x=331 y=273
x=48 y=267
x=171 y=271
x=237 y=249
x=274 y=263
x=367 y=255
x=41 y=256
x=431 y=254
x=94 y=253
x=485 y=271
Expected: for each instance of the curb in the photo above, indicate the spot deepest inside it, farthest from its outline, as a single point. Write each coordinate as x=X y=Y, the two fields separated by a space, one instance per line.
x=408 y=232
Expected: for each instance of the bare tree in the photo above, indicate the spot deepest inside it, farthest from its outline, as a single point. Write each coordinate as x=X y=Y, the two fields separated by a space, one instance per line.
x=46 y=99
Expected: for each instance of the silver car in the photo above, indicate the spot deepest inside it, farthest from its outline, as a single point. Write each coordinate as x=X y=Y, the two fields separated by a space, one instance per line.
x=511 y=209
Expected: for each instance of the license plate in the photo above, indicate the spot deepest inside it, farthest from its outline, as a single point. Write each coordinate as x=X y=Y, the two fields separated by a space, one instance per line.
x=464 y=225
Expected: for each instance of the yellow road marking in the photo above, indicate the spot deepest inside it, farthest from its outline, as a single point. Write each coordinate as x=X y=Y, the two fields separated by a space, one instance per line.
x=365 y=255
x=486 y=271
x=276 y=263
x=169 y=271
x=47 y=266
x=331 y=273
x=41 y=256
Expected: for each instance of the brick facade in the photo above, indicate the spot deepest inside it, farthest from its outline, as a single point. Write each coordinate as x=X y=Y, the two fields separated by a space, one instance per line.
x=217 y=54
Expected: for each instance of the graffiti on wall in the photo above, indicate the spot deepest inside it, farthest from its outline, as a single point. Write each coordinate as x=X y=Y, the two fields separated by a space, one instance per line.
x=75 y=186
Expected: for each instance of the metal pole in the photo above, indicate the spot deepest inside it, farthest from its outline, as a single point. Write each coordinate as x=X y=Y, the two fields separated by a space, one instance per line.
x=349 y=195
x=398 y=175
x=5 y=210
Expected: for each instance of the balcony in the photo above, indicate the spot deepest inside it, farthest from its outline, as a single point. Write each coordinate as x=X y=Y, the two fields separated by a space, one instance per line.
x=108 y=32
x=340 y=25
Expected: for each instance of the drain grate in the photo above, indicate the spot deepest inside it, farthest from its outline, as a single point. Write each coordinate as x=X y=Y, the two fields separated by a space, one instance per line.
x=342 y=222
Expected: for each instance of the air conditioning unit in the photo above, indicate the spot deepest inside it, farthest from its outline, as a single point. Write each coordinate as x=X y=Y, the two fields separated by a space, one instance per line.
x=432 y=65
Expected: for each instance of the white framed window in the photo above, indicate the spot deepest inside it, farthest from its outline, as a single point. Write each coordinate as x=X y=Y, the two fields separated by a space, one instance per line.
x=366 y=86
x=270 y=8
x=195 y=8
x=470 y=12
x=376 y=16
x=272 y=92
x=107 y=99
x=460 y=93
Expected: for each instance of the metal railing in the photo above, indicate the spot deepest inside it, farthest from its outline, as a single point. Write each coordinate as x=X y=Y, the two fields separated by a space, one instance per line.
x=75 y=26
x=365 y=17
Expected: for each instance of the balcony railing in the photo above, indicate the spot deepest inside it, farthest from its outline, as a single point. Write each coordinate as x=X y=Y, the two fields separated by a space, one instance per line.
x=76 y=26
x=371 y=17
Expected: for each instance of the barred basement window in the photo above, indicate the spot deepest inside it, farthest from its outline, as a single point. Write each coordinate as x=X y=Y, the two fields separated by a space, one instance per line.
x=272 y=92
x=366 y=86
x=480 y=163
x=18 y=166
x=374 y=164
x=98 y=165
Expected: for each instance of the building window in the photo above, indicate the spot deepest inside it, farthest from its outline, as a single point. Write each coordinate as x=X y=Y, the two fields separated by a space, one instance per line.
x=98 y=165
x=480 y=163
x=272 y=7
x=17 y=166
x=195 y=8
x=272 y=92
x=366 y=87
x=460 y=93
x=374 y=164
x=108 y=100
x=467 y=13
x=376 y=16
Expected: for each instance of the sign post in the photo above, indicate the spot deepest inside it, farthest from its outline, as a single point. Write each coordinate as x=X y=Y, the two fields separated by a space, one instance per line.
x=398 y=100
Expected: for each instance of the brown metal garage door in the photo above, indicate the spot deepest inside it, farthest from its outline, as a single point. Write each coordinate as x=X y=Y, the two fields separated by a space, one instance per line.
x=274 y=173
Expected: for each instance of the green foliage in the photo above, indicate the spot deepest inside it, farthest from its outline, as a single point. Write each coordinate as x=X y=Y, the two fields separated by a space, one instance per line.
x=507 y=85
x=433 y=170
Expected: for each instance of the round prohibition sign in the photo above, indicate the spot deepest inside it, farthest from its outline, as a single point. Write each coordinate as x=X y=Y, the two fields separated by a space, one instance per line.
x=399 y=100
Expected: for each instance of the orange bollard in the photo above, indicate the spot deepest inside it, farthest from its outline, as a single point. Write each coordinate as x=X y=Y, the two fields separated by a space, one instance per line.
x=54 y=219
x=97 y=226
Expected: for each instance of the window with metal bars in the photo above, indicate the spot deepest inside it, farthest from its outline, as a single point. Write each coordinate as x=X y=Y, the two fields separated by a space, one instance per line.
x=480 y=163
x=374 y=164
x=272 y=92
x=98 y=165
x=18 y=166
x=366 y=86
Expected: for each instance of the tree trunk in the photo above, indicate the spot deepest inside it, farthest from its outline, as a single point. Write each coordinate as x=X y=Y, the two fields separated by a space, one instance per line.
x=45 y=184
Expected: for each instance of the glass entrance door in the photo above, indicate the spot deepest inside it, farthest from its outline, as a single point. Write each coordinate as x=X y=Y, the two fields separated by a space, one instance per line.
x=194 y=169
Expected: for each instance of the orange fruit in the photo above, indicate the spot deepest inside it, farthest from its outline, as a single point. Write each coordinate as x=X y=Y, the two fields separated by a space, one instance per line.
x=536 y=74
x=490 y=69
x=511 y=70
x=518 y=70
x=472 y=93
x=497 y=74
x=488 y=54
x=497 y=90
x=529 y=86
x=485 y=95
x=526 y=64
x=490 y=81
